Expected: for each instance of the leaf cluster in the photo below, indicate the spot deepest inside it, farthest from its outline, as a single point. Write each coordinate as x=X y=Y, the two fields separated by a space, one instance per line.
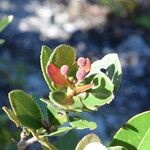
x=60 y=112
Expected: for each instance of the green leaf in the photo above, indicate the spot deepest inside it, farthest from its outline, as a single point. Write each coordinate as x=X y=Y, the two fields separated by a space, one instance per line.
x=70 y=139
x=5 y=22
x=61 y=100
x=41 y=105
x=135 y=134
x=11 y=116
x=90 y=138
x=83 y=124
x=112 y=66
x=57 y=116
x=60 y=131
x=45 y=55
x=52 y=119
x=100 y=94
x=116 y=148
x=26 y=109
x=64 y=55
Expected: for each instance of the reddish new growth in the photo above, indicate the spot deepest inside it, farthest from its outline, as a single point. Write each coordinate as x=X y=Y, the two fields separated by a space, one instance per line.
x=64 y=70
x=84 y=68
x=60 y=75
x=81 y=62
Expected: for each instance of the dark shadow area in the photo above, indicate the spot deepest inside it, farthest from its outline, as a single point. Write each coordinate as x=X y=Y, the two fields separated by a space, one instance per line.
x=130 y=127
x=117 y=142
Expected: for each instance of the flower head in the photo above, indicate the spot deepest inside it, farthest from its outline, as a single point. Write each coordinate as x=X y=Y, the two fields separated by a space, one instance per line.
x=78 y=85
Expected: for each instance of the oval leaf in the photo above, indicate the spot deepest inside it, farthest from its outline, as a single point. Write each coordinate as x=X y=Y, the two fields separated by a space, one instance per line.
x=63 y=55
x=135 y=134
x=26 y=109
x=61 y=100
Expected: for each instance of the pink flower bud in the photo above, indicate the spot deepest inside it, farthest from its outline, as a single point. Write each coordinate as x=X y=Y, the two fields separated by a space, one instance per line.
x=81 y=62
x=80 y=74
x=64 y=70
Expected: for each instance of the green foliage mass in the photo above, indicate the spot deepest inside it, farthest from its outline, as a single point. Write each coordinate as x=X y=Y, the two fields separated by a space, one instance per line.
x=44 y=118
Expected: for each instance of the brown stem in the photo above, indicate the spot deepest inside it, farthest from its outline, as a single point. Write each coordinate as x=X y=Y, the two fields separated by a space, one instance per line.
x=23 y=143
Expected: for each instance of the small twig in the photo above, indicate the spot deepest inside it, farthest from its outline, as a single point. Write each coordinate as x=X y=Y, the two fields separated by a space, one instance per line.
x=31 y=141
x=23 y=143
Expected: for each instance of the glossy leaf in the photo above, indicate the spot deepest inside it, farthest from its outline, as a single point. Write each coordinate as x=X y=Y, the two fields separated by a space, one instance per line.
x=61 y=100
x=45 y=55
x=90 y=138
x=56 y=115
x=100 y=94
x=83 y=124
x=63 y=55
x=60 y=131
x=135 y=134
x=112 y=65
x=26 y=109
x=5 y=22
x=11 y=116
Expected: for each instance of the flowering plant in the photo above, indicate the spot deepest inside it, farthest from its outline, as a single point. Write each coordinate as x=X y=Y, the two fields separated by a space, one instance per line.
x=76 y=85
x=79 y=85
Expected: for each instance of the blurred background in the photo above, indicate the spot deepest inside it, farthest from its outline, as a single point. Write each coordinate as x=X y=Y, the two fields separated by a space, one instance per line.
x=94 y=28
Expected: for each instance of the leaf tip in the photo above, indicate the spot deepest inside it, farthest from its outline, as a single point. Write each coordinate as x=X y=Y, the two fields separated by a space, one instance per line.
x=4 y=108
